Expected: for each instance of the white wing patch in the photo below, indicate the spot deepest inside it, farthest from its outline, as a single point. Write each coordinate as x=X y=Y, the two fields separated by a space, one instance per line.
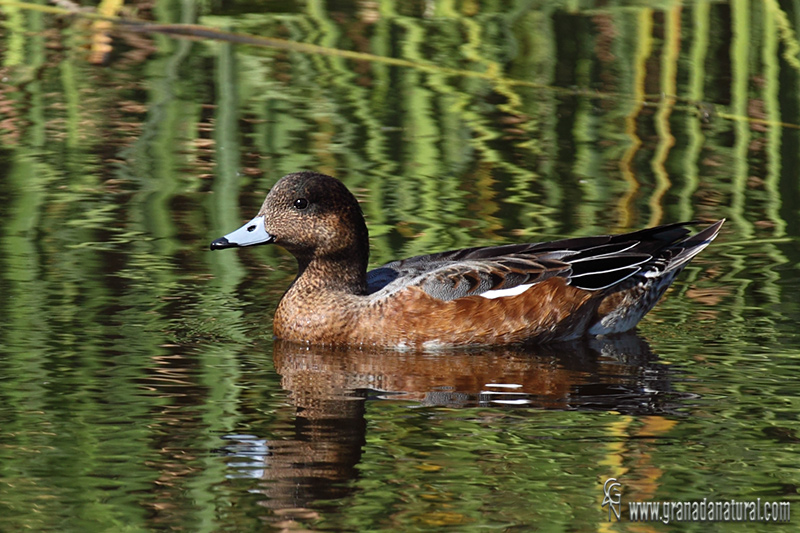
x=501 y=293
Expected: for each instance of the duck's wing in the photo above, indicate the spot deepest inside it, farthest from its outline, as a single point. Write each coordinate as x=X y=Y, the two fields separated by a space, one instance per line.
x=467 y=275
x=589 y=263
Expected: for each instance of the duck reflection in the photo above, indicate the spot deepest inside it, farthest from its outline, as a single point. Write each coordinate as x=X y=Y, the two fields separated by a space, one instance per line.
x=620 y=374
x=329 y=387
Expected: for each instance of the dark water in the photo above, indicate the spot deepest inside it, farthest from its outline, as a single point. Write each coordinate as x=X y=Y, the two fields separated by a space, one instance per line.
x=141 y=389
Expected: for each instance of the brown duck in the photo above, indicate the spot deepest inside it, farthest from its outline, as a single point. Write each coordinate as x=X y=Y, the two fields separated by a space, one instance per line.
x=510 y=294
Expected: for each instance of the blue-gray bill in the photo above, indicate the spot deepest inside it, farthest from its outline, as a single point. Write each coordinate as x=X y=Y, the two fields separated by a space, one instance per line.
x=250 y=234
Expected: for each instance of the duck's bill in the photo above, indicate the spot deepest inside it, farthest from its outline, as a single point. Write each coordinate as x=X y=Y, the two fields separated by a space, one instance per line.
x=250 y=234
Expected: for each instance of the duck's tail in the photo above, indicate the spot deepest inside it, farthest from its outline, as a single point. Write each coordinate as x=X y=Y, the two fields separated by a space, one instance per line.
x=624 y=306
x=685 y=250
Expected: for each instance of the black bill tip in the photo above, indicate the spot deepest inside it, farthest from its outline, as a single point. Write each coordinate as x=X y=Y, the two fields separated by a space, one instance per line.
x=222 y=243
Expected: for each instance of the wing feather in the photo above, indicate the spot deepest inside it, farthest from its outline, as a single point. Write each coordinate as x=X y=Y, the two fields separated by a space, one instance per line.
x=589 y=263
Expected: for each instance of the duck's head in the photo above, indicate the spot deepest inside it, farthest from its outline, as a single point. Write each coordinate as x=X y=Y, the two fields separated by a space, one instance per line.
x=311 y=215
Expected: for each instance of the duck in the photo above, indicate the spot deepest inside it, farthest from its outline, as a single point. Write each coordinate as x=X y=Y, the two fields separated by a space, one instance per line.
x=510 y=294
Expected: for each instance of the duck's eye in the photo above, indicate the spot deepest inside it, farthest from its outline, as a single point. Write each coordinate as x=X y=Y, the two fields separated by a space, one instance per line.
x=300 y=203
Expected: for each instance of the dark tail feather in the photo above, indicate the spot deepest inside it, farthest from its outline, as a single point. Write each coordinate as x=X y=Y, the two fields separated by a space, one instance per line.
x=686 y=250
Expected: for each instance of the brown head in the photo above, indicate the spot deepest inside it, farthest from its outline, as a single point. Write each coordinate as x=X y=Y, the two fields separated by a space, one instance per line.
x=315 y=218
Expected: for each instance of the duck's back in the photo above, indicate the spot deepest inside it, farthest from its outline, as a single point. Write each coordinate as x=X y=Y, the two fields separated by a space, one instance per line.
x=591 y=285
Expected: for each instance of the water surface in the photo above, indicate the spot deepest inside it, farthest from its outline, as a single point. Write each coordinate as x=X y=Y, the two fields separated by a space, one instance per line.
x=140 y=387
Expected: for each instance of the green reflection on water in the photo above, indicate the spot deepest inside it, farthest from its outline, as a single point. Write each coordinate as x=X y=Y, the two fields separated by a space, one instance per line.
x=138 y=388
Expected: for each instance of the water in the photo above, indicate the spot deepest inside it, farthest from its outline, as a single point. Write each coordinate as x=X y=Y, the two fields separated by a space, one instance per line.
x=141 y=389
